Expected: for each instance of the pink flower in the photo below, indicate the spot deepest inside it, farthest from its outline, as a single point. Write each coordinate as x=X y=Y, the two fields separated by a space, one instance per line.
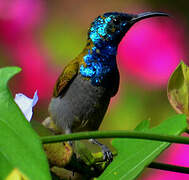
x=151 y=50
x=23 y=14
x=18 y=21
x=177 y=154
x=36 y=74
x=149 y=53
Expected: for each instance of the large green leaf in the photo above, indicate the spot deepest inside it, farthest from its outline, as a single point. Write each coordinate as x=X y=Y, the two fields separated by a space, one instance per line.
x=144 y=125
x=19 y=144
x=178 y=89
x=134 y=154
x=40 y=129
x=5 y=166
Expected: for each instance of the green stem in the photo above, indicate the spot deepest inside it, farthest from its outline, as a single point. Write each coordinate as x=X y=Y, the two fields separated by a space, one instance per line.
x=115 y=134
x=126 y=134
x=169 y=167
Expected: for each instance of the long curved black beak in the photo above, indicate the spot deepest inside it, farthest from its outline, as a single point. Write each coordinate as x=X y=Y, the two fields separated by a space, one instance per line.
x=145 y=15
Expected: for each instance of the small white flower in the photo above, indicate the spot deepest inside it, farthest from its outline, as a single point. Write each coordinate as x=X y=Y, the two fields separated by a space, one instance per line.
x=26 y=104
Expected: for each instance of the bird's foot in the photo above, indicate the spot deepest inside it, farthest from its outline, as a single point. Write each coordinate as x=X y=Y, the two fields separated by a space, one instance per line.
x=68 y=131
x=107 y=154
x=70 y=143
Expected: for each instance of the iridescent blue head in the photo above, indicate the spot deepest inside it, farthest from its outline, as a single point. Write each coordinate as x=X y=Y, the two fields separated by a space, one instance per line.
x=111 y=27
x=105 y=34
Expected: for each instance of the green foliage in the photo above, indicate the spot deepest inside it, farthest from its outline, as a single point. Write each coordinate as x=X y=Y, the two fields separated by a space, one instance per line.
x=20 y=147
x=40 y=129
x=63 y=41
x=134 y=154
x=136 y=104
x=5 y=166
x=178 y=89
x=144 y=125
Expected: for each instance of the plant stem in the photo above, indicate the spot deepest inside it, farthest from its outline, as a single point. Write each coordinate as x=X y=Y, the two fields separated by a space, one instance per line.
x=126 y=134
x=115 y=134
x=169 y=167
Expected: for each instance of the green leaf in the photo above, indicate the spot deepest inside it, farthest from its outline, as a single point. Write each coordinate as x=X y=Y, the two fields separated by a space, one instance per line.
x=178 y=89
x=19 y=144
x=134 y=154
x=40 y=129
x=5 y=166
x=144 y=125
x=83 y=152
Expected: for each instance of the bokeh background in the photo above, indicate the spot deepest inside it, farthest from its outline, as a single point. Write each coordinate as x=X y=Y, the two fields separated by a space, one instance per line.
x=41 y=36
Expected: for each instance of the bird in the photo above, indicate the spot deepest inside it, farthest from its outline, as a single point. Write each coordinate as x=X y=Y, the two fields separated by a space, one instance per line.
x=83 y=90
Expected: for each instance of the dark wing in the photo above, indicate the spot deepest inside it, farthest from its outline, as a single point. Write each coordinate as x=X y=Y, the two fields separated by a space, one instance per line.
x=114 y=82
x=111 y=82
x=67 y=76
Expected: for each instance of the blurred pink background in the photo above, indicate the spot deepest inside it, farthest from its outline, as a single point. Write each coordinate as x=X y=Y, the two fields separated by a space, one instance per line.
x=42 y=36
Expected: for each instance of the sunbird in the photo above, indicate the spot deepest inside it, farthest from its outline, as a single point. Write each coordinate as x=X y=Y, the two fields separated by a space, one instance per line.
x=84 y=88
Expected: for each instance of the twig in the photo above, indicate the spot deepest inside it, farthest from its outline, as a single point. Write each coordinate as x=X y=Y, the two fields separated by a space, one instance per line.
x=115 y=134
x=169 y=167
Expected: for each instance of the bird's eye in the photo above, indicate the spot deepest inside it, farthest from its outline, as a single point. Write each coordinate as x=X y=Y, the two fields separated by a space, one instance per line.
x=116 y=21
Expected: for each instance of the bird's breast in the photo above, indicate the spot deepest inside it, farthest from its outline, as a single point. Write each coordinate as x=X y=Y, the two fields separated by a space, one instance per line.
x=82 y=107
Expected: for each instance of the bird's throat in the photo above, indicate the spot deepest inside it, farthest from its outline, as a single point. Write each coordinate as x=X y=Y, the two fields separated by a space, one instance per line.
x=98 y=62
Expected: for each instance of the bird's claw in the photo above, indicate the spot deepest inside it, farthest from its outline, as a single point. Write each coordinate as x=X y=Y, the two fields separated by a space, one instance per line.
x=107 y=153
